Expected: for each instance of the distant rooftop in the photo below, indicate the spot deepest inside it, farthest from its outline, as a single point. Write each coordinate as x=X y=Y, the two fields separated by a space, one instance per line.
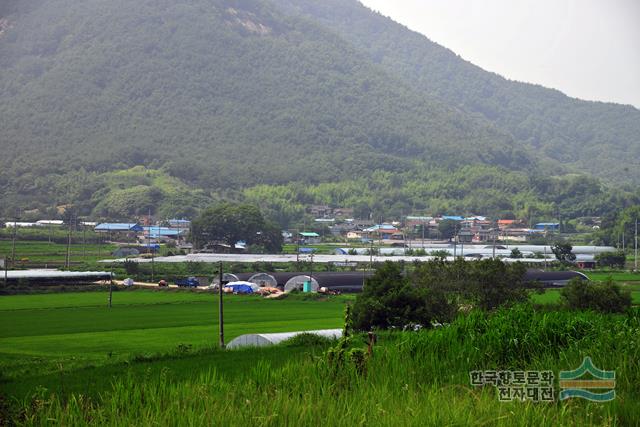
x=309 y=234
x=163 y=231
x=453 y=217
x=116 y=226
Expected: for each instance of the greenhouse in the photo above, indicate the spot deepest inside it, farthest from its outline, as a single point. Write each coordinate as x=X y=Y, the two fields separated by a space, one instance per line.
x=226 y=277
x=263 y=280
x=301 y=283
x=262 y=340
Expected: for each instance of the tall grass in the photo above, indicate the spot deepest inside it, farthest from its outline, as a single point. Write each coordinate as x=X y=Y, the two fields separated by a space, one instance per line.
x=411 y=379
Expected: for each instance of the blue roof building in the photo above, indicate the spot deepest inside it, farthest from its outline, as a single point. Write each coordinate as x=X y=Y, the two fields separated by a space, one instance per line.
x=551 y=226
x=156 y=232
x=453 y=217
x=381 y=227
x=179 y=223
x=118 y=227
x=308 y=234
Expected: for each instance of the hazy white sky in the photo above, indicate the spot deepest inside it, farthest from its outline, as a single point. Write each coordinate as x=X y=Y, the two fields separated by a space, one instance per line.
x=589 y=49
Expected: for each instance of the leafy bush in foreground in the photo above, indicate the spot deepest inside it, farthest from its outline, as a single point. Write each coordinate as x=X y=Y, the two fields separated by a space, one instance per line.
x=487 y=283
x=393 y=299
x=389 y=299
x=606 y=297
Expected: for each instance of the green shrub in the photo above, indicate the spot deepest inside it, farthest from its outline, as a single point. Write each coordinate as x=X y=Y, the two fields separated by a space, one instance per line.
x=389 y=299
x=606 y=297
x=307 y=340
x=611 y=259
x=440 y=253
x=131 y=267
x=488 y=283
x=515 y=253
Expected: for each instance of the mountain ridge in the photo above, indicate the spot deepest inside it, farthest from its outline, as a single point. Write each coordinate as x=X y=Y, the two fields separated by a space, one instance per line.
x=231 y=95
x=528 y=111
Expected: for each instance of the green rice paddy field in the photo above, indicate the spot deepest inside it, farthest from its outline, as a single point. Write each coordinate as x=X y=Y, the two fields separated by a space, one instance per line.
x=45 y=252
x=75 y=329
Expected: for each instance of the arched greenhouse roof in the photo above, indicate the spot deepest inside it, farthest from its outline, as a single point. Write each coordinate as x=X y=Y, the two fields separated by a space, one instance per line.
x=261 y=340
x=297 y=282
x=227 y=277
x=263 y=280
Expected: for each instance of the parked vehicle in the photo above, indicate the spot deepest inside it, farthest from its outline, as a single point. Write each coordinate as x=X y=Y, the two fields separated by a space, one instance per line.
x=189 y=282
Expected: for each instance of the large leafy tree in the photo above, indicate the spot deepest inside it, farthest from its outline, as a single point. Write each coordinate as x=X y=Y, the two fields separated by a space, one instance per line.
x=270 y=237
x=563 y=251
x=448 y=228
x=232 y=222
x=626 y=221
x=620 y=226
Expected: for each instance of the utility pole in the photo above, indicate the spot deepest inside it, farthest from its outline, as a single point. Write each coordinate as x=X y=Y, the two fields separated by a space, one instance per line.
x=545 y=257
x=68 y=257
x=371 y=256
x=110 y=289
x=559 y=221
x=298 y=248
x=13 y=243
x=493 y=254
x=153 y=267
x=311 y=272
x=635 y=250
x=220 y=309
x=150 y=250
x=455 y=247
x=84 y=241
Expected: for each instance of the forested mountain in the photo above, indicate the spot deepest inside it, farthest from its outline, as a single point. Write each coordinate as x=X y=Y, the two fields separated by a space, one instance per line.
x=244 y=98
x=567 y=130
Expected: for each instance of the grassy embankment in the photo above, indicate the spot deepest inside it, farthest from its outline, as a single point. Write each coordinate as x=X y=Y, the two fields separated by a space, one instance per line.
x=412 y=379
